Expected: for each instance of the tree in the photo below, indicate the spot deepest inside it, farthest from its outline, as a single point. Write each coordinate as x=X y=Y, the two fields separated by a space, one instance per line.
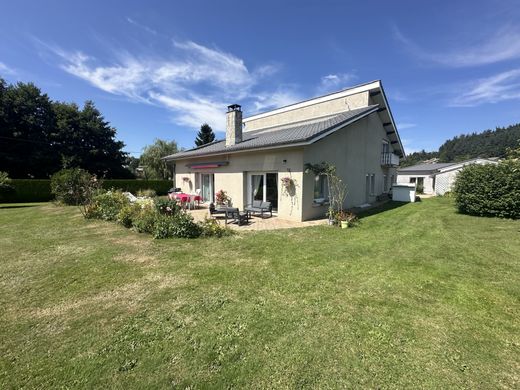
x=39 y=137
x=26 y=120
x=151 y=159
x=132 y=163
x=205 y=135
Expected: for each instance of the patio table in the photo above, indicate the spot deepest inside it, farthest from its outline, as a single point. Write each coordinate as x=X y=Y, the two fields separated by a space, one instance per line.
x=185 y=198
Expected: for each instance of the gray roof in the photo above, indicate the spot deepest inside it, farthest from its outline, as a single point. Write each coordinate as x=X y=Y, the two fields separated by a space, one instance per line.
x=424 y=167
x=290 y=134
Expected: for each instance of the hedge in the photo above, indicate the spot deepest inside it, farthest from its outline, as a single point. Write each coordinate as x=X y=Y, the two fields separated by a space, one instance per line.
x=39 y=190
x=28 y=190
x=491 y=190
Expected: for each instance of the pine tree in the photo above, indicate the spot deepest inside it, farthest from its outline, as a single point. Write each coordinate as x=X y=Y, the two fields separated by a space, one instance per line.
x=205 y=135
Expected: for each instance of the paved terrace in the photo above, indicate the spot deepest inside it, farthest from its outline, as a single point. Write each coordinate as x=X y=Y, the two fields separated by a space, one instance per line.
x=258 y=223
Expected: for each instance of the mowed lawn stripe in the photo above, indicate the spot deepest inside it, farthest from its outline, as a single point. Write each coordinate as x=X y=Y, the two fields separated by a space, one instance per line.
x=415 y=296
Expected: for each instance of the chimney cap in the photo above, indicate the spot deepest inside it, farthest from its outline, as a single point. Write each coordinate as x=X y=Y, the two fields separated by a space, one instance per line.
x=234 y=107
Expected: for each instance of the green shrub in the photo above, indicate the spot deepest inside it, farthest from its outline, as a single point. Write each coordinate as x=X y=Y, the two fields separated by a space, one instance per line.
x=489 y=190
x=73 y=186
x=211 y=228
x=128 y=214
x=185 y=227
x=167 y=207
x=144 y=220
x=109 y=204
x=6 y=189
x=148 y=193
x=160 y=187
x=181 y=225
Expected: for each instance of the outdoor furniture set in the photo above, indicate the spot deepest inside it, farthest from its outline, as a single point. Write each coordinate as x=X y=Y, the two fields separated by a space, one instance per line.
x=186 y=200
x=234 y=215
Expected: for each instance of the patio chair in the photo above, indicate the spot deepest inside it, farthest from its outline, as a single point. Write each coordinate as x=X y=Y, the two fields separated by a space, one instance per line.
x=260 y=208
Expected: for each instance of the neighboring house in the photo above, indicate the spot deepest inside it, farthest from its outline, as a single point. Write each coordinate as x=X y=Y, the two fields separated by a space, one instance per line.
x=352 y=129
x=436 y=178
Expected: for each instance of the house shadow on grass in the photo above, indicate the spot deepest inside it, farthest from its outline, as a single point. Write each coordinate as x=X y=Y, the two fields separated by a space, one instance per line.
x=379 y=208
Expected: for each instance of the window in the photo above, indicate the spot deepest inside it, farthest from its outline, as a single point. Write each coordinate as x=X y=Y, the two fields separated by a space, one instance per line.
x=386 y=147
x=412 y=180
x=385 y=183
x=372 y=184
x=320 y=188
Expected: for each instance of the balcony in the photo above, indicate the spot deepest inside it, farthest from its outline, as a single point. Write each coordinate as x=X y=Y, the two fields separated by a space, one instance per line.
x=389 y=160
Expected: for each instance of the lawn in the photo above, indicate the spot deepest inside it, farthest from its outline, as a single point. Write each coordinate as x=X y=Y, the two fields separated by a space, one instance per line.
x=416 y=296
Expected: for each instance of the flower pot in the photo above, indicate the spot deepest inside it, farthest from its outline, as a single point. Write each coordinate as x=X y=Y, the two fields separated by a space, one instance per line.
x=331 y=222
x=344 y=224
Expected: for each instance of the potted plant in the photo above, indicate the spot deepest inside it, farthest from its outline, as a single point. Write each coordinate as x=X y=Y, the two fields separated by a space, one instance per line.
x=222 y=198
x=286 y=182
x=346 y=219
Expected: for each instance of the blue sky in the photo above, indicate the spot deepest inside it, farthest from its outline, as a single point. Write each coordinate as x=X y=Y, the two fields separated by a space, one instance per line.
x=158 y=69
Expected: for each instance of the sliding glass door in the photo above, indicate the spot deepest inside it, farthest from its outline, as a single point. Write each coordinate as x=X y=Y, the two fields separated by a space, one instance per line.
x=263 y=187
x=207 y=181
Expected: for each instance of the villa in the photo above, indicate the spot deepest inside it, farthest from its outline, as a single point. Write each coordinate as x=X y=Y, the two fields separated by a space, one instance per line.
x=352 y=129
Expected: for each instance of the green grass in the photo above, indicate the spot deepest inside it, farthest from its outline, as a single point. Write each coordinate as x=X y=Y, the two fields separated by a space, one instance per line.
x=416 y=296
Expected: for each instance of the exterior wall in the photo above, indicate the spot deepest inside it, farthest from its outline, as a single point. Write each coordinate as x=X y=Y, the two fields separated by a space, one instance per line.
x=310 y=112
x=232 y=178
x=355 y=151
x=428 y=180
x=444 y=181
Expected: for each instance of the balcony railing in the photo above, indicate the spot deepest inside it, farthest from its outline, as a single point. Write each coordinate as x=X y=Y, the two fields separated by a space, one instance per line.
x=389 y=160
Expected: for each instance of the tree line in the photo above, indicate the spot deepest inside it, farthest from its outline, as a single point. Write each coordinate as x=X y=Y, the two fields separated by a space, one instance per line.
x=489 y=143
x=39 y=136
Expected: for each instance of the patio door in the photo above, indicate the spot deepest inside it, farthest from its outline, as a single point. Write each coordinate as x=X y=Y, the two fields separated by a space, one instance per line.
x=264 y=187
x=207 y=182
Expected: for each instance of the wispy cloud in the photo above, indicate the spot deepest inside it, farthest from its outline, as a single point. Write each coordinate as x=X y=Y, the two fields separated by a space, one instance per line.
x=280 y=98
x=141 y=26
x=405 y=125
x=499 y=87
x=502 y=45
x=333 y=82
x=4 y=69
x=195 y=83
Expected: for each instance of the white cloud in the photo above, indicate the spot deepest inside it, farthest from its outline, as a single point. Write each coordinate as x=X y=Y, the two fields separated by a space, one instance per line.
x=196 y=82
x=142 y=26
x=333 y=82
x=280 y=98
x=405 y=125
x=502 y=45
x=499 y=87
x=4 y=69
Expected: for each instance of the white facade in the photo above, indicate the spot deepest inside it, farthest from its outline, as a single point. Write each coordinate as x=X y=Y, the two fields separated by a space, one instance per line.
x=437 y=181
x=445 y=178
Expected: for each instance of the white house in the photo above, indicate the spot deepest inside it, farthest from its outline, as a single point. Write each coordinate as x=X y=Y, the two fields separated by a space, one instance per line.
x=352 y=129
x=436 y=178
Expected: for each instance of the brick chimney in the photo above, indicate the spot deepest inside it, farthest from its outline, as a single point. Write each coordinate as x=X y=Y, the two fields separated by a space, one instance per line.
x=233 y=125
